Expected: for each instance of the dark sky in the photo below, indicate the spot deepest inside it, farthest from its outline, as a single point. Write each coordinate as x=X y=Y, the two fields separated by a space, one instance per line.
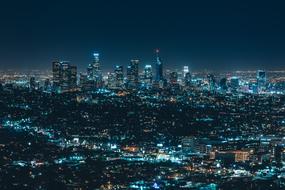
x=212 y=34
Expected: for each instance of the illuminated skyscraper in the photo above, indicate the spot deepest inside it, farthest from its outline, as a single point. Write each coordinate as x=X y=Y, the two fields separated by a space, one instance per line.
x=64 y=76
x=133 y=74
x=211 y=82
x=223 y=84
x=73 y=77
x=159 y=68
x=33 y=83
x=261 y=80
x=112 y=81
x=94 y=72
x=47 y=85
x=188 y=79
x=185 y=71
x=119 y=76
x=56 y=72
x=234 y=83
x=97 y=68
x=84 y=82
x=148 y=75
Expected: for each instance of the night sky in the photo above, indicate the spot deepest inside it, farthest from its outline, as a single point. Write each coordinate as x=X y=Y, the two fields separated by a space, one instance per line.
x=206 y=35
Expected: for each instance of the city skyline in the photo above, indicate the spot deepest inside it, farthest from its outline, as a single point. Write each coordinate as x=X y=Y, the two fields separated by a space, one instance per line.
x=142 y=95
x=143 y=62
x=210 y=35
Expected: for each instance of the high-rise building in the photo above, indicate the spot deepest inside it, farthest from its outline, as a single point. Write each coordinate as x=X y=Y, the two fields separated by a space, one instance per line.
x=47 y=85
x=94 y=72
x=64 y=76
x=234 y=83
x=56 y=72
x=261 y=80
x=133 y=74
x=223 y=84
x=211 y=82
x=97 y=69
x=159 y=68
x=33 y=83
x=185 y=71
x=148 y=75
x=188 y=79
x=119 y=76
x=73 y=77
x=86 y=84
x=112 y=81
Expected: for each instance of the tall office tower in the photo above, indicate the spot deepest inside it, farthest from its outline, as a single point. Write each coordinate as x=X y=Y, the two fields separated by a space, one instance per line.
x=133 y=74
x=97 y=68
x=33 y=83
x=148 y=75
x=112 y=81
x=82 y=79
x=234 y=83
x=185 y=71
x=211 y=82
x=73 y=77
x=261 y=80
x=90 y=74
x=84 y=83
x=188 y=79
x=159 y=68
x=56 y=73
x=119 y=75
x=47 y=85
x=223 y=84
x=94 y=72
x=64 y=76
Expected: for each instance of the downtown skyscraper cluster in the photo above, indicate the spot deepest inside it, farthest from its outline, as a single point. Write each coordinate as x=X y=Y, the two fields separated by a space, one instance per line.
x=155 y=76
x=65 y=76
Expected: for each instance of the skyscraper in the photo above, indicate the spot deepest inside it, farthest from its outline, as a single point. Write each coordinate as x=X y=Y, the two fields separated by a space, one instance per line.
x=234 y=83
x=211 y=82
x=112 y=81
x=133 y=74
x=188 y=79
x=56 y=73
x=223 y=84
x=148 y=75
x=119 y=76
x=33 y=83
x=47 y=85
x=159 y=67
x=185 y=71
x=73 y=77
x=64 y=76
x=97 y=68
x=94 y=72
x=261 y=80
